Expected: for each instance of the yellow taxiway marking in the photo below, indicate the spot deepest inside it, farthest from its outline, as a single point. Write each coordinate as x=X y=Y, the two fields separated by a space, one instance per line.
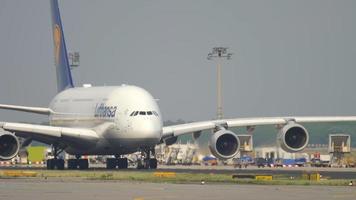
x=15 y=173
x=165 y=174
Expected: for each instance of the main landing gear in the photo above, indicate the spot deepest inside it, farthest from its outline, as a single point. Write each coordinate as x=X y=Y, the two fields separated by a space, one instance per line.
x=55 y=162
x=112 y=163
x=58 y=163
x=146 y=162
x=78 y=163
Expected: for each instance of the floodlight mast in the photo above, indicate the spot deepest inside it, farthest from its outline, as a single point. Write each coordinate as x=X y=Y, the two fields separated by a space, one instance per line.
x=218 y=54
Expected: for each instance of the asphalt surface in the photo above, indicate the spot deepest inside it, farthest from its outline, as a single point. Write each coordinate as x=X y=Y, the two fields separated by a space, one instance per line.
x=34 y=189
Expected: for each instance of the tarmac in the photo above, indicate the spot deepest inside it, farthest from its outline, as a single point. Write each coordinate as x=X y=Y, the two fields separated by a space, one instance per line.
x=34 y=189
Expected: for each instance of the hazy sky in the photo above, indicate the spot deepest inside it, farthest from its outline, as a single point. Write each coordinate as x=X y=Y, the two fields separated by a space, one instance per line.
x=290 y=57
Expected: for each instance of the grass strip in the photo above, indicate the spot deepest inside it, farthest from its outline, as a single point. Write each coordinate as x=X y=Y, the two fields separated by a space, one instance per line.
x=148 y=176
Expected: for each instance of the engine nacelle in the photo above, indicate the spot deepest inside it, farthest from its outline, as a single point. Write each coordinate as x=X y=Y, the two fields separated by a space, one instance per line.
x=9 y=145
x=293 y=137
x=224 y=144
x=171 y=140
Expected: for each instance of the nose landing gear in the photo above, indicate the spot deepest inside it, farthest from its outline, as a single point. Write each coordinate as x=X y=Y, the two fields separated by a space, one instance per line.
x=146 y=162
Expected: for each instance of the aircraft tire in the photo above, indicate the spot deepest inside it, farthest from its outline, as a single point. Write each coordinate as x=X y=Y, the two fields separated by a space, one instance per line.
x=111 y=163
x=72 y=164
x=59 y=163
x=83 y=164
x=50 y=164
x=122 y=163
x=153 y=163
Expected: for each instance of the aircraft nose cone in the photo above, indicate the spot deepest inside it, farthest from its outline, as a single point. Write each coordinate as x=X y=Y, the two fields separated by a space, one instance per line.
x=149 y=129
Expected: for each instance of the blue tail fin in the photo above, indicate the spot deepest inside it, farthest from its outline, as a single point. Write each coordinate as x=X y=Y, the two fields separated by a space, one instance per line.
x=64 y=76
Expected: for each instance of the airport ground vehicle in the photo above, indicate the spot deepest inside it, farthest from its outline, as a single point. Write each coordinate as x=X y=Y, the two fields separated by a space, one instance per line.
x=322 y=161
x=300 y=162
x=244 y=161
x=261 y=162
x=209 y=160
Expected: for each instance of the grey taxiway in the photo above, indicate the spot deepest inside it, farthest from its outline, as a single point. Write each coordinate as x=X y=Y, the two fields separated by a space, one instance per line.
x=33 y=189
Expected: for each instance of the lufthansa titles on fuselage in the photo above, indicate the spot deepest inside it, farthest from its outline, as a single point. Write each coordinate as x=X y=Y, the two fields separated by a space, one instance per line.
x=104 y=111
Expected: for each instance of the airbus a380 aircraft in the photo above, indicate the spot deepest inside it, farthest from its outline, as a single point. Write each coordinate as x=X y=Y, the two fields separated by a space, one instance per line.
x=124 y=119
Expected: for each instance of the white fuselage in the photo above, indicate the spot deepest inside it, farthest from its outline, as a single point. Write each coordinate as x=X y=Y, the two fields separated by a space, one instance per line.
x=126 y=118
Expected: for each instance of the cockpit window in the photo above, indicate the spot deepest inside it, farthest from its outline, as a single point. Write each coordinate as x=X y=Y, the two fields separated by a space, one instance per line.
x=135 y=113
x=155 y=113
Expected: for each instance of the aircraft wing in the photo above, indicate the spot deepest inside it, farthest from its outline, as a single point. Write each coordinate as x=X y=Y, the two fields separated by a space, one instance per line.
x=38 y=110
x=181 y=129
x=49 y=134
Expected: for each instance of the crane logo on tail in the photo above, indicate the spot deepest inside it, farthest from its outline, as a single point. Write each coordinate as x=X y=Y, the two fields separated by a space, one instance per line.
x=57 y=42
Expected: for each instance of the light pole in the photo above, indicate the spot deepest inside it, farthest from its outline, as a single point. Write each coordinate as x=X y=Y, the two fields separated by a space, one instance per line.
x=219 y=53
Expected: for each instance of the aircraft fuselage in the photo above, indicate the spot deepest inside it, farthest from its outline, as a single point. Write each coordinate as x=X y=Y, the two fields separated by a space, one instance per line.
x=126 y=118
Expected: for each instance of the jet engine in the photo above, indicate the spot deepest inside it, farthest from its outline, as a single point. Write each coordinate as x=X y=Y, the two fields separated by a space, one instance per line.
x=224 y=144
x=293 y=137
x=9 y=145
